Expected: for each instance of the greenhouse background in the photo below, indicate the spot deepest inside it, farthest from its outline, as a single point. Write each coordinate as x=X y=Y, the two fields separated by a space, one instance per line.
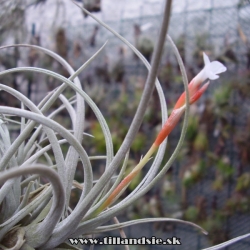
x=210 y=181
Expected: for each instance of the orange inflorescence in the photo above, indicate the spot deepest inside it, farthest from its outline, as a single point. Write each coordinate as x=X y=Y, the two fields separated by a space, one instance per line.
x=169 y=126
x=192 y=89
x=175 y=116
x=119 y=188
x=198 y=93
x=173 y=119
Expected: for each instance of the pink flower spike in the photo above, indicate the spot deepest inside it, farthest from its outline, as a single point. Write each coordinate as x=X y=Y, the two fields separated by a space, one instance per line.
x=192 y=88
x=169 y=125
x=199 y=93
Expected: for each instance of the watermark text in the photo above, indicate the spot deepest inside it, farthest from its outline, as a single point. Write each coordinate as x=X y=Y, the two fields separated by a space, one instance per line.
x=125 y=241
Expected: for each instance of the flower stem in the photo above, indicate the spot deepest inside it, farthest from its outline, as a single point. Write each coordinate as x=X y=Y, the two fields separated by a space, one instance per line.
x=126 y=181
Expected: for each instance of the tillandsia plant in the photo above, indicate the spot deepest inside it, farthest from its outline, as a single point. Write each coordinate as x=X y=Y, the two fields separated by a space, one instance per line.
x=36 y=214
x=210 y=71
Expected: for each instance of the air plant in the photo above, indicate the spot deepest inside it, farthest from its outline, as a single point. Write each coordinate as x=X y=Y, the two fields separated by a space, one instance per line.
x=36 y=213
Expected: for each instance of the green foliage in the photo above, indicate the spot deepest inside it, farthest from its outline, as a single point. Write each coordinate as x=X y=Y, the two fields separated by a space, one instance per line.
x=191 y=214
x=194 y=173
x=201 y=141
x=193 y=124
x=139 y=142
x=237 y=203
x=225 y=168
x=222 y=95
x=96 y=131
x=218 y=183
x=243 y=182
x=215 y=226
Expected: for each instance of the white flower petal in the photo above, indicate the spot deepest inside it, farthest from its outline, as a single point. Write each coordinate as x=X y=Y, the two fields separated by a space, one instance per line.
x=212 y=69
x=209 y=73
x=217 y=67
x=212 y=76
x=206 y=59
